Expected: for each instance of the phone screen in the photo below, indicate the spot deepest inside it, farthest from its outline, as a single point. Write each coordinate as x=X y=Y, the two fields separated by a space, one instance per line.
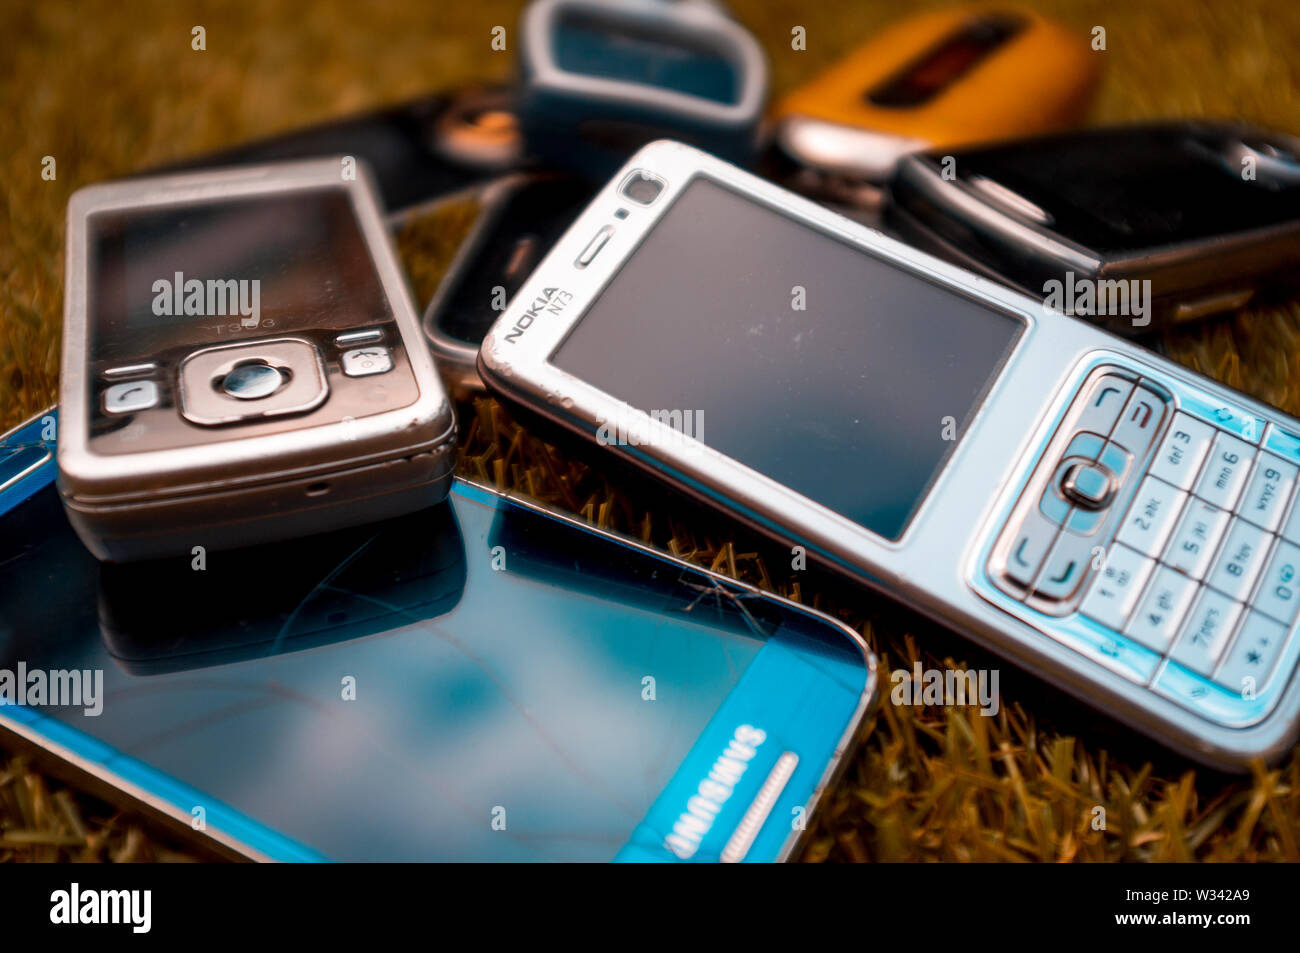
x=215 y=271
x=843 y=377
x=479 y=681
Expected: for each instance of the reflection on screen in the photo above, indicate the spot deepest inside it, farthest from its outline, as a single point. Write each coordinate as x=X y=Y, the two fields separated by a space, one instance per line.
x=278 y=262
x=813 y=363
x=464 y=684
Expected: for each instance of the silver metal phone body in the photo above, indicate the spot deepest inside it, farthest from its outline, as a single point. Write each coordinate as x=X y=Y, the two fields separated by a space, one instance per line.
x=152 y=462
x=953 y=561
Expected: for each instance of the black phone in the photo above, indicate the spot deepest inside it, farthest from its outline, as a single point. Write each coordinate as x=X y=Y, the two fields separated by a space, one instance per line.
x=1135 y=227
x=520 y=217
x=418 y=151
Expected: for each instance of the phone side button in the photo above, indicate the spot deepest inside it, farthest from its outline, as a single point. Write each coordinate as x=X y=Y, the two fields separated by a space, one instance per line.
x=127 y=371
x=594 y=246
x=354 y=338
x=14 y=466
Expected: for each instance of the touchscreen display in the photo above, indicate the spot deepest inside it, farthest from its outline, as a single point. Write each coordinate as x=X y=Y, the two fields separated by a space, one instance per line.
x=830 y=371
x=467 y=683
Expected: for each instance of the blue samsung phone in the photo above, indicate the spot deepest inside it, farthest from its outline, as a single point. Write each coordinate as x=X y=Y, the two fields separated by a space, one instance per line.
x=485 y=680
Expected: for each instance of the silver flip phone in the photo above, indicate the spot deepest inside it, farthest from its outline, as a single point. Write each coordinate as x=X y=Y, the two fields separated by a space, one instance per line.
x=241 y=362
x=1124 y=527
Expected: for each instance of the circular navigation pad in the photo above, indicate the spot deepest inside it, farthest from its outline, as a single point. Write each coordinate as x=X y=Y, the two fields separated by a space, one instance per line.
x=232 y=383
x=252 y=381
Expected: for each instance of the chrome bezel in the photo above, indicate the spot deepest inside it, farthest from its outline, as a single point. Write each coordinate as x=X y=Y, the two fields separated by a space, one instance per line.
x=85 y=474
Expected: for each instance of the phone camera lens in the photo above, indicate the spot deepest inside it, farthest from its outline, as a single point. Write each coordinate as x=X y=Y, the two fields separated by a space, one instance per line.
x=642 y=187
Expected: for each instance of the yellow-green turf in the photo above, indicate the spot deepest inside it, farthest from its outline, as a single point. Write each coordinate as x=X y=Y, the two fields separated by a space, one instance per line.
x=108 y=88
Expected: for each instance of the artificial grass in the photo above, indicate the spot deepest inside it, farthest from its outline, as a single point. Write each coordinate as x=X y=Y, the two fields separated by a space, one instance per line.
x=107 y=90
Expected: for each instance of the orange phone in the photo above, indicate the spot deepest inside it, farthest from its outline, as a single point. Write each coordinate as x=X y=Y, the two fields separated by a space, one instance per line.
x=950 y=78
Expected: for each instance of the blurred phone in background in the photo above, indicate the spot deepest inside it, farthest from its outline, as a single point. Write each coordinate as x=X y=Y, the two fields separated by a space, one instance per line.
x=1186 y=219
x=597 y=80
x=485 y=680
x=949 y=78
x=418 y=151
x=519 y=219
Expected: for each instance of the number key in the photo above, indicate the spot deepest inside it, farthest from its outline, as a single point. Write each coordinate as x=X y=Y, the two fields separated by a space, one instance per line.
x=1253 y=655
x=1225 y=471
x=1197 y=538
x=1269 y=490
x=1281 y=584
x=1206 y=632
x=1183 y=450
x=1238 y=565
x=1111 y=598
x=1156 y=623
x=1151 y=516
